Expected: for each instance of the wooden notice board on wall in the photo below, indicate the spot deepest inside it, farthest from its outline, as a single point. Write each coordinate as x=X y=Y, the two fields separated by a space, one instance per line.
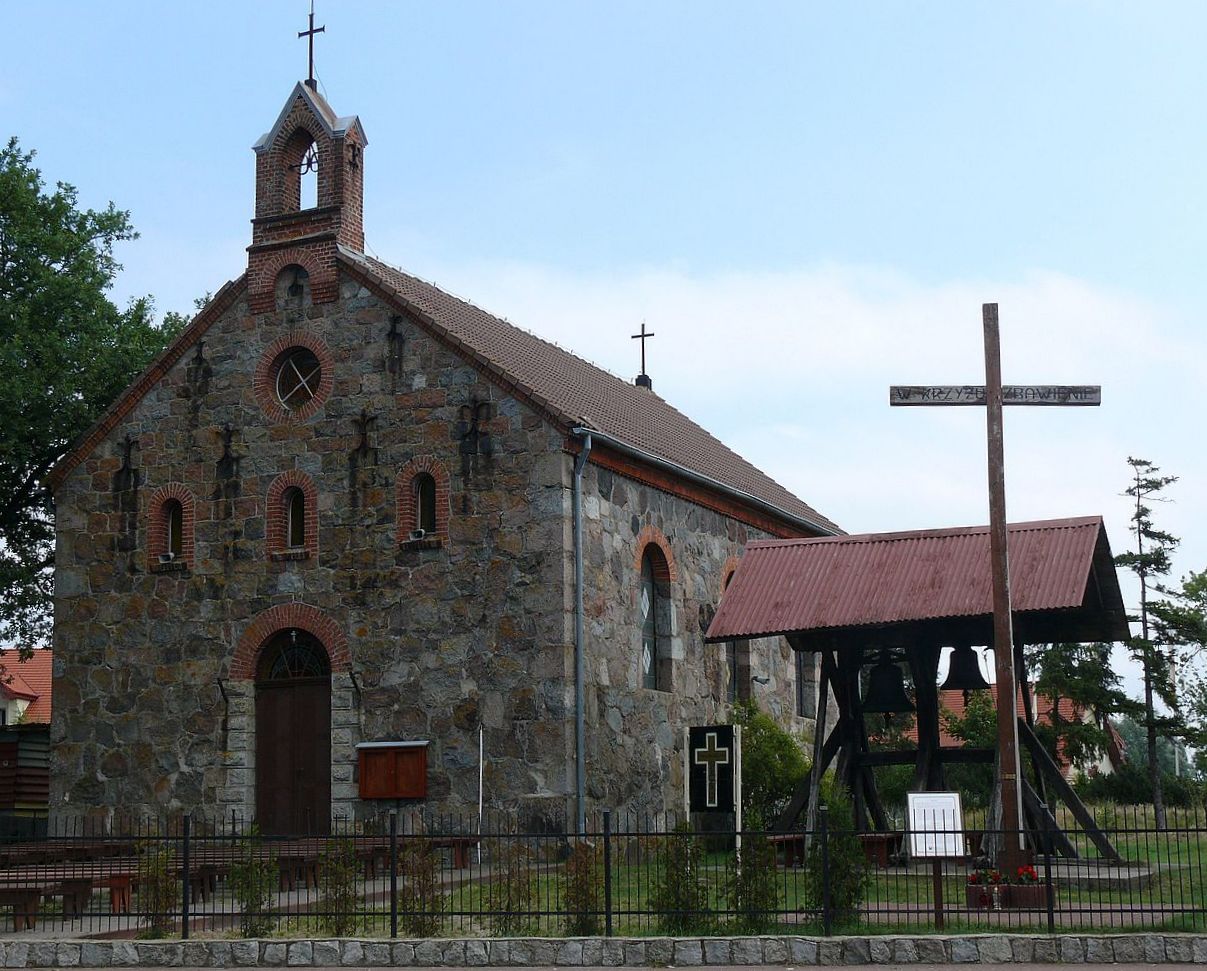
x=393 y=770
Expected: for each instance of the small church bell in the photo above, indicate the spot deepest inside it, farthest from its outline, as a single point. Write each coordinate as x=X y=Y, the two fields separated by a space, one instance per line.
x=964 y=672
x=886 y=688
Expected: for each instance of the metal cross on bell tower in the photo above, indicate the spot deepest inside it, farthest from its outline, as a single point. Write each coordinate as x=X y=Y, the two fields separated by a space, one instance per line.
x=309 y=35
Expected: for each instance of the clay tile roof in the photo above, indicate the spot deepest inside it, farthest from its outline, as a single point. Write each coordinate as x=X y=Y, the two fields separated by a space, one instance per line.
x=30 y=679
x=579 y=393
x=1061 y=575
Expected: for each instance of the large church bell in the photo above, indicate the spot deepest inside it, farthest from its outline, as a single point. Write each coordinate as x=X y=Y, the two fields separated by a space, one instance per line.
x=964 y=672
x=886 y=688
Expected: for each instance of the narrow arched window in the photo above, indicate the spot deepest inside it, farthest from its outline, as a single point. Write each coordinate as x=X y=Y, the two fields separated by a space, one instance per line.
x=173 y=521
x=295 y=518
x=424 y=487
x=656 y=620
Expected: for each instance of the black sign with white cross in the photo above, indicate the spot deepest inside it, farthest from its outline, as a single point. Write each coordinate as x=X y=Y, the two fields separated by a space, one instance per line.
x=710 y=766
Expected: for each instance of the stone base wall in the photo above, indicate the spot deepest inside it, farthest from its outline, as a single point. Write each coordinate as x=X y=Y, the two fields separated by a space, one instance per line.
x=616 y=951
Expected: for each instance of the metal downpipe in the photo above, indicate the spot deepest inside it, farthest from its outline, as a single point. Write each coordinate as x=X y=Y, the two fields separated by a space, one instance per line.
x=580 y=730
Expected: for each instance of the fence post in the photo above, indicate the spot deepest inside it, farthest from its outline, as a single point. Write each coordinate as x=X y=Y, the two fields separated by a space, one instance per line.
x=607 y=841
x=184 y=879
x=393 y=872
x=823 y=831
x=1049 y=890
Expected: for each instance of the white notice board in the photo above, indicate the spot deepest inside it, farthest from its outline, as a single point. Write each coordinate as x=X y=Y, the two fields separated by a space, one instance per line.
x=936 y=824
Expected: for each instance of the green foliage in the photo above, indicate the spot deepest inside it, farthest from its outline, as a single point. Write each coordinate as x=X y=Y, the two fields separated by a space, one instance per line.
x=420 y=893
x=977 y=728
x=679 y=898
x=752 y=883
x=584 y=890
x=254 y=878
x=1130 y=785
x=1150 y=560
x=1081 y=673
x=66 y=352
x=848 y=877
x=889 y=734
x=772 y=762
x=339 y=896
x=158 y=889
x=511 y=893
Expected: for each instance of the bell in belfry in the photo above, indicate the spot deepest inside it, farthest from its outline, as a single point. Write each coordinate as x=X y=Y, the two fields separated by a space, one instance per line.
x=886 y=688
x=964 y=671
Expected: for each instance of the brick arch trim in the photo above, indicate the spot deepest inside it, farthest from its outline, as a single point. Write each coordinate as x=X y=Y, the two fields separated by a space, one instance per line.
x=283 y=617
x=265 y=267
x=264 y=381
x=277 y=518
x=666 y=571
x=407 y=511
x=157 y=526
x=730 y=564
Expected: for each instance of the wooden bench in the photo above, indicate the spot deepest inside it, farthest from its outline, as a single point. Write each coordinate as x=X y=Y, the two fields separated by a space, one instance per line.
x=24 y=902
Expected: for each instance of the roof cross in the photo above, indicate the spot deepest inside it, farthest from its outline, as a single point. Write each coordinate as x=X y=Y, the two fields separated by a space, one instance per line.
x=642 y=337
x=992 y=395
x=309 y=35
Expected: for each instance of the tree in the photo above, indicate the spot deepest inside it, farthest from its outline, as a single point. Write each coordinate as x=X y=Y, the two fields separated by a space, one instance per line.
x=976 y=728
x=1149 y=561
x=66 y=352
x=1082 y=674
x=772 y=762
x=1180 y=620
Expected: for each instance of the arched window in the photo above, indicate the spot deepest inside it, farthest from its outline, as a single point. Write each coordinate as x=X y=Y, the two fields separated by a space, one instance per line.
x=423 y=504
x=655 y=612
x=173 y=516
x=737 y=664
x=301 y=159
x=170 y=529
x=295 y=518
x=292 y=509
x=424 y=487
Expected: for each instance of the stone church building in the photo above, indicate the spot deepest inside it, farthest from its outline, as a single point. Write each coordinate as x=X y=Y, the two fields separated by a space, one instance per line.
x=345 y=508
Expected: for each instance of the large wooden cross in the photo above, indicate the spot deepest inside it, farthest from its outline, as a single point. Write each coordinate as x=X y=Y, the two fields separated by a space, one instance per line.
x=992 y=395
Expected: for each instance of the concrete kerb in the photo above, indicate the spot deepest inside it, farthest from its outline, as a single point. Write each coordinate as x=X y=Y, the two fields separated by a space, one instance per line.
x=1148 y=948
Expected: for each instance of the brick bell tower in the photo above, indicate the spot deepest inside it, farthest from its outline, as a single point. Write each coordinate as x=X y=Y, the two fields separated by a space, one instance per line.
x=308 y=137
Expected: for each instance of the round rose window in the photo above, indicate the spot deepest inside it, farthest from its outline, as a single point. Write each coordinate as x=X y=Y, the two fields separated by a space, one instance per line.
x=298 y=376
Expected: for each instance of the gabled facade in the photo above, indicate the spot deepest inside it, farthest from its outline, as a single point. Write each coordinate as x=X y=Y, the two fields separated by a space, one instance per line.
x=340 y=510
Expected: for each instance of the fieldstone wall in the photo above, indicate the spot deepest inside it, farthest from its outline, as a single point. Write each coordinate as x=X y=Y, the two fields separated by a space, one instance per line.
x=148 y=717
x=615 y=951
x=635 y=743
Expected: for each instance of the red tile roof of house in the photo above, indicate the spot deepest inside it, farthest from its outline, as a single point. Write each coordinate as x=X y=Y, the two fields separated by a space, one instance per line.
x=31 y=680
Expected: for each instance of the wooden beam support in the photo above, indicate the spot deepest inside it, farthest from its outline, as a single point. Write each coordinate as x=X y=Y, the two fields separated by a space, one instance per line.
x=1060 y=785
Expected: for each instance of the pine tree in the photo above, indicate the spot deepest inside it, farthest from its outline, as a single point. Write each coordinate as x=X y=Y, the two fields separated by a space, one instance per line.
x=1149 y=561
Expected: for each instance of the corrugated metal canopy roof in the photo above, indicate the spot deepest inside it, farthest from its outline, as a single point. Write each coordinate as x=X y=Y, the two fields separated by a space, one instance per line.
x=1063 y=583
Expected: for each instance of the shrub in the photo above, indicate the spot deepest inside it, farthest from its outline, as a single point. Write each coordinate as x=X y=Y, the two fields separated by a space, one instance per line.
x=584 y=890
x=678 y=898
x=420 y=894
x=510 y=893
x=254 y=878
x=339 y=896
x=848 y=877
x=1129 y=785
x=752 y=883
x=158 y=888
x=772 y=763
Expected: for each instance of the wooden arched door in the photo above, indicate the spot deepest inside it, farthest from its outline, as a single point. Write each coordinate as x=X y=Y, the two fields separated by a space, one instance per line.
x=293 y=736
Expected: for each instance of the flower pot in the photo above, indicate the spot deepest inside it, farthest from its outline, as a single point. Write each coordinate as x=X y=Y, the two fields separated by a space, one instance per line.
x=1026 y=896
x=979 y=895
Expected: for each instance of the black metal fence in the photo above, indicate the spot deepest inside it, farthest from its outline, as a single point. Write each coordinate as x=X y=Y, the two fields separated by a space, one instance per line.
x=416 y=876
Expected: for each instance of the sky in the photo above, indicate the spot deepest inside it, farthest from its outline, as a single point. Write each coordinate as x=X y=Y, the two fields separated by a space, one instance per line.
x=805 y=203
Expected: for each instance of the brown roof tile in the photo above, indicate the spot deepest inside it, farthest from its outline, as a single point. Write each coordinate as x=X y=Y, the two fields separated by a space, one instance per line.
x=579 y=393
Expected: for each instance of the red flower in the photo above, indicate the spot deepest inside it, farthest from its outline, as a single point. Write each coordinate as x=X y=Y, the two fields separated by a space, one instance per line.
x=1027 y=874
